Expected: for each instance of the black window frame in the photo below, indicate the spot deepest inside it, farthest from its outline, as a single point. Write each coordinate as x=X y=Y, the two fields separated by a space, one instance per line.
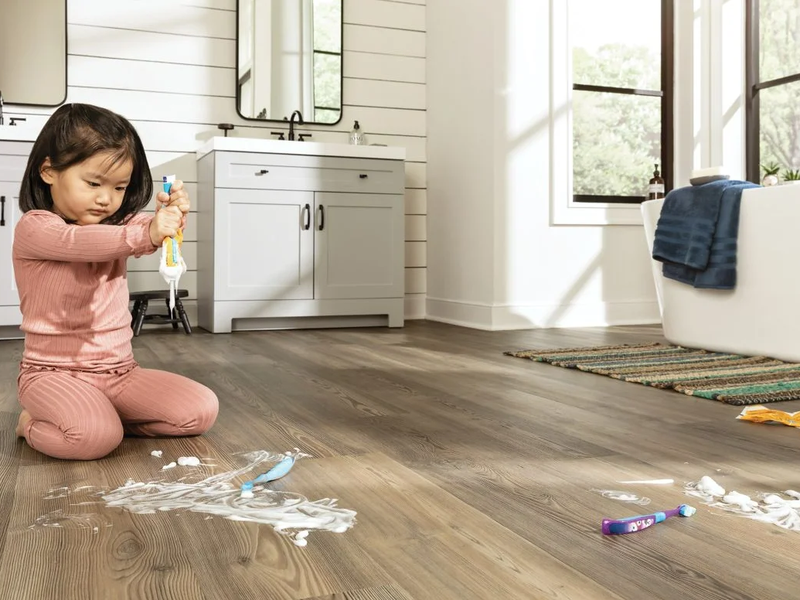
x=336 y=109
x=666 y=93
x=753 y=87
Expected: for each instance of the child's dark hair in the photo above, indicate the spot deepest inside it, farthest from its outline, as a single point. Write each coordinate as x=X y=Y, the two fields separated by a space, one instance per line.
x=76 y=132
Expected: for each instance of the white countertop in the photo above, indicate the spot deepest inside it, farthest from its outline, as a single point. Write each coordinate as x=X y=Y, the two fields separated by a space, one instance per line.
x=270 y=146
x=22 y=132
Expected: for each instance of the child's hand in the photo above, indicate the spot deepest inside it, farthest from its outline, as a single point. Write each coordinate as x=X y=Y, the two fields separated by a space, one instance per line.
x=165 y=224
x=177 y=197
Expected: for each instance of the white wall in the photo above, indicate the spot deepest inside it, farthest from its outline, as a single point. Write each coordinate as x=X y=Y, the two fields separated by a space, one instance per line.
x=490 y=128
x=461 y=151
x=169 y=66
x=498 y=165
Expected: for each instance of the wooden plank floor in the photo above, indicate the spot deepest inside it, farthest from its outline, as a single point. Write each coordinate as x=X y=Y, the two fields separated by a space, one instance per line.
x=474 y=475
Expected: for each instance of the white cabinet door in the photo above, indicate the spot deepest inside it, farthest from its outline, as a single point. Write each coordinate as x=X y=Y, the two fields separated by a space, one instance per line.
x=360 y=246
x=263 y=245
x=9 y=216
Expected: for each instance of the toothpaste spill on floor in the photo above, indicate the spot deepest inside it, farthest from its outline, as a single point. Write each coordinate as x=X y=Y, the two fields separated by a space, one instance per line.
x=770 y=508
x=623 y=497
x=651 y=481
x=288 y=513
x=58 y=519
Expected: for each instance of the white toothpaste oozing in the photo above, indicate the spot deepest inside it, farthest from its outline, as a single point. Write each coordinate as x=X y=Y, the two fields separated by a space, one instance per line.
x=288 y=513
x=623 y=497
x=706 y=489
x=772 y=508
x=157 y=453
x=189 y=461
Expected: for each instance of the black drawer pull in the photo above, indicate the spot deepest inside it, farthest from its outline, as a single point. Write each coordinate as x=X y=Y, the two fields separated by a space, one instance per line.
x=321 y=217
x=261 y=172
x=307 y=211
x=363 y=176
x=2 y=211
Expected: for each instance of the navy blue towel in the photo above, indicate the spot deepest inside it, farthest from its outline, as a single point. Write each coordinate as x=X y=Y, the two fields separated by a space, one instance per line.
x=697 y=232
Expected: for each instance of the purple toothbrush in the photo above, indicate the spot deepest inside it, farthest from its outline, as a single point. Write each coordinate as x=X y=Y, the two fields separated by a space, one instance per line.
x=634 y=524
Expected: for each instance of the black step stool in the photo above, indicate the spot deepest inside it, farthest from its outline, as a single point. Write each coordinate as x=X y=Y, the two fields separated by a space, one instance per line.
x=139 y=312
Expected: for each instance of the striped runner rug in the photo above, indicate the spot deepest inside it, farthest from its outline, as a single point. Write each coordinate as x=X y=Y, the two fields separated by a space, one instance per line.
x=729 y=378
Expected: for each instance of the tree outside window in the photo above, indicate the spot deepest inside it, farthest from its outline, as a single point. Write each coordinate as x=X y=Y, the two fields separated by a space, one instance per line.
x=621 y=99
x=773 y=76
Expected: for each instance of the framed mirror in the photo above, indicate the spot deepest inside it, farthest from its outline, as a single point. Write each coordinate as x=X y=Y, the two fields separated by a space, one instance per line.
x=289 y=57
x=33 y=52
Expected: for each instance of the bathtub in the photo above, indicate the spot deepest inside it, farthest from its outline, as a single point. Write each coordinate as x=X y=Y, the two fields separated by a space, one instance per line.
x=761 y=316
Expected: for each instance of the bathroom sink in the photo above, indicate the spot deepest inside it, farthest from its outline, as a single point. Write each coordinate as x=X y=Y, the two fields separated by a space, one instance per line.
x=270 y=146
x=21 y=132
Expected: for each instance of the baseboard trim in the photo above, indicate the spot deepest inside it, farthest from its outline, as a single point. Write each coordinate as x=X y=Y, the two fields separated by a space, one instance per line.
x=456 y=312
x=414 y=309
x=539 y=316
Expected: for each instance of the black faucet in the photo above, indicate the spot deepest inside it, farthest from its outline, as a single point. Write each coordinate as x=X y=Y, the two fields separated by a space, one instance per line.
x=292 y=122
x=1 y=108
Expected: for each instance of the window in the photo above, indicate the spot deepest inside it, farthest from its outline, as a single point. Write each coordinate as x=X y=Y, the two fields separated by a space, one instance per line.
x=327 y=60
x=773 y=87
x=621 y=97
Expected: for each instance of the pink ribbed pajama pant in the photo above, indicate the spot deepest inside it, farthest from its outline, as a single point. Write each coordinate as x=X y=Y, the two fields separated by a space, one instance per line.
x=82 y=416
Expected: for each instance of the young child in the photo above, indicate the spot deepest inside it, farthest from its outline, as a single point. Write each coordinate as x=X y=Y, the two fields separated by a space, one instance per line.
x=86 y=181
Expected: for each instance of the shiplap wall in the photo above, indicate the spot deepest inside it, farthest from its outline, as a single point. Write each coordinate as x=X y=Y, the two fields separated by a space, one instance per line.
x=169 y=67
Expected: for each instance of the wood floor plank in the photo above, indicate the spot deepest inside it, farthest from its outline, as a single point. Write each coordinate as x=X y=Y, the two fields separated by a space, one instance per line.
x=10 y=450
x=474 y=475
x=385 y=592
x=564 y=517
x=81 y=551
x=259 y=563
x=10 y=355
x=254 y=399
x=436 y=546
x=310 y=387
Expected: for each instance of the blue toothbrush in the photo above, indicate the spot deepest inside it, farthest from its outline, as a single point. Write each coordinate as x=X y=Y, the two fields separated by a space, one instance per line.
x=276 y=472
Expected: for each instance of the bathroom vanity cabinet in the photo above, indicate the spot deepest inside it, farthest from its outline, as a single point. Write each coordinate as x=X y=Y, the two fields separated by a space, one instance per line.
x=299 y=234
x=13 y=159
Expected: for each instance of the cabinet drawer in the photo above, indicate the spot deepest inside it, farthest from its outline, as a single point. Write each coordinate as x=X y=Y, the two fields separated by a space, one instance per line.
x=12 y=168
x=308 y=173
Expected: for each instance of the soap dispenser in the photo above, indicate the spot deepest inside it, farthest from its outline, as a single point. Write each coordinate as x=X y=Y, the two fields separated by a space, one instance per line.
x=356 y=135
x=656 y=188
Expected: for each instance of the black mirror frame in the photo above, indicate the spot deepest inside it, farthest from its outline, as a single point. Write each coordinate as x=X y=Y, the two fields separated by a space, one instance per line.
x=237 y=83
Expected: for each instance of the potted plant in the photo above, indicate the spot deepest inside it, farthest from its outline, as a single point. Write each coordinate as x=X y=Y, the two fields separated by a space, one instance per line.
x=792 y=176
x=771 y=171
